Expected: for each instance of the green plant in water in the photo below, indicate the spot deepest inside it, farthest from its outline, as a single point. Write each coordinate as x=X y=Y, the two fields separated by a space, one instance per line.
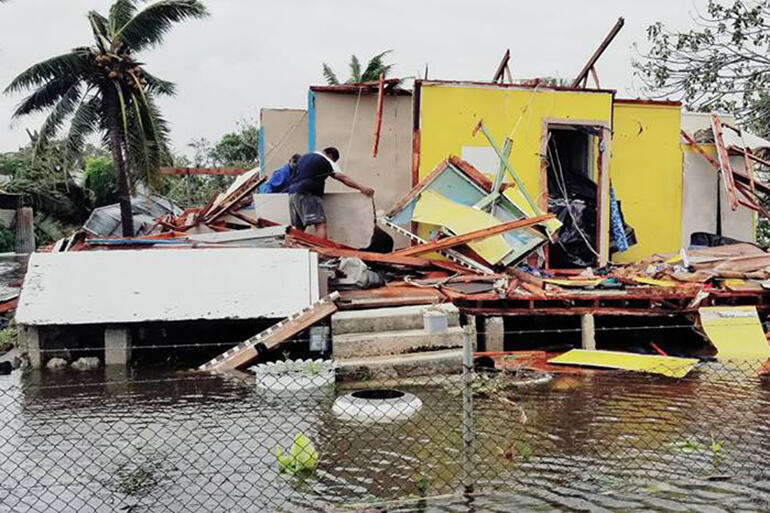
x=302 y=458
x=715 y=448
x=136 y=481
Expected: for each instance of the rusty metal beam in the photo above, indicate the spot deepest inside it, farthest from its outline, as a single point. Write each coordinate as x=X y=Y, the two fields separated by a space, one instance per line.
x=177 y=171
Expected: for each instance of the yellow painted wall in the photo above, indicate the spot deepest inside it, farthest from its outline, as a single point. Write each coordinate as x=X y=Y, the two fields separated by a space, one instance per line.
x=646 y=172
x=449 y=112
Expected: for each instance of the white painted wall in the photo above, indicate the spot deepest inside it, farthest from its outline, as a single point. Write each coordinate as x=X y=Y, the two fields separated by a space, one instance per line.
x=128 y=286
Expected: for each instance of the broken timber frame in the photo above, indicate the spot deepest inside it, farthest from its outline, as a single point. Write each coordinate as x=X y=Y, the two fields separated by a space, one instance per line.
x=582 y=77
x=465 y=238
x=272 y=337
x=724 y=161
x=176 y=171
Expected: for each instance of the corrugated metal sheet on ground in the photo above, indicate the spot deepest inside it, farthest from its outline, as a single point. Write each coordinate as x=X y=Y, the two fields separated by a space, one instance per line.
x=105 y=221
x=664 y=365
x=735 y=331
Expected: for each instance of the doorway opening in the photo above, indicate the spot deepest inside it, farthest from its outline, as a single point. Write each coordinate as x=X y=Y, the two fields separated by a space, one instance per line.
x=571 y=184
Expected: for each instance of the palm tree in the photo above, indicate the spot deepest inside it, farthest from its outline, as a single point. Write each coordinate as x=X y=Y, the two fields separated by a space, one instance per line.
x=374 y=67
x=103 y=89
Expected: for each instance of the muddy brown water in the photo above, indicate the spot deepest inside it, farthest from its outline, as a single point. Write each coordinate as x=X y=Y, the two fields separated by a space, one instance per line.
x=161 y=441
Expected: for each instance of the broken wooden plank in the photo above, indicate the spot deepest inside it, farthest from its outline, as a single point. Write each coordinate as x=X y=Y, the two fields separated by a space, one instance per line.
x=378 y=119
x=724 y=162
x=475 y=235
x=761 y=187
x=177 y=171
x=273 y=336
x=368 y=256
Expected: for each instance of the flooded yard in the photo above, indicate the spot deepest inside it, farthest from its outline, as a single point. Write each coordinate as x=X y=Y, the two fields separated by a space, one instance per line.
x=102 y=441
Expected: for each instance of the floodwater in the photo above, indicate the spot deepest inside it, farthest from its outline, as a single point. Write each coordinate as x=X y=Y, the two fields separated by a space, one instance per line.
x=180 y=442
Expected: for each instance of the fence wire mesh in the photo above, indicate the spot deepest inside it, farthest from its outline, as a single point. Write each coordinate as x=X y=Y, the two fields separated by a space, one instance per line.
x=483 y=440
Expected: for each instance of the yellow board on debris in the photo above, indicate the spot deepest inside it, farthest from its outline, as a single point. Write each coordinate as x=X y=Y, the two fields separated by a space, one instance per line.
x=735 y=331
x=664 y=365
x=433 y=208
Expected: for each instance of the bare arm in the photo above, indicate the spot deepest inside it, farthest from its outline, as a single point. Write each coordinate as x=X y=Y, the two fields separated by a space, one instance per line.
x=343 y=178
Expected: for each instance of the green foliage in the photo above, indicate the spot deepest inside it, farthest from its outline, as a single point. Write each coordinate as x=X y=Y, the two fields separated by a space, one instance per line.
x=234 y=149
x=104 y=90
x=302 y=458
x=720 y=64
x=47 y=181
x=374 y=67
x=7 y=240
x=101 y=181
x=239 y=148
x=8 y=338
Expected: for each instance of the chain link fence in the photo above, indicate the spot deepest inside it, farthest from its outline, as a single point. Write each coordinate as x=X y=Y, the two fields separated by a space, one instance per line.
x=306 y=437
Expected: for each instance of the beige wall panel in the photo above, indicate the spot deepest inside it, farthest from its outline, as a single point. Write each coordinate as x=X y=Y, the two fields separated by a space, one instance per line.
x=285 y=133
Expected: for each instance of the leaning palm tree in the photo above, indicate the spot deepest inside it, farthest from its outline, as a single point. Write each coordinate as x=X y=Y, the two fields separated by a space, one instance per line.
x=374 y=67
x=103 y=89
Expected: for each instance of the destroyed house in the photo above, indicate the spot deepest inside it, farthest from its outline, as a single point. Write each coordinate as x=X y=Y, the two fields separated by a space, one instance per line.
x=590 y=149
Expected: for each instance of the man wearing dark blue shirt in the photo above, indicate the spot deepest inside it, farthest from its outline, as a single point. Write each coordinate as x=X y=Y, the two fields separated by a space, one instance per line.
x=307 y=189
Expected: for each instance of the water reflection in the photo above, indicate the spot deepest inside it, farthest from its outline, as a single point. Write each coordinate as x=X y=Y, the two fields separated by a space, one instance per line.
x=110 y=440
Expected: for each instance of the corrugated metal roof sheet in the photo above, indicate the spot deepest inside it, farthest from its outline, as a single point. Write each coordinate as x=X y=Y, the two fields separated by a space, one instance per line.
x=105 y=221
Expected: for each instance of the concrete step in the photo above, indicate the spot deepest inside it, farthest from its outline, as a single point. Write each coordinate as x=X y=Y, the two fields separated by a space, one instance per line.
x=398 y=318
x=358 y=345
x=445 y=361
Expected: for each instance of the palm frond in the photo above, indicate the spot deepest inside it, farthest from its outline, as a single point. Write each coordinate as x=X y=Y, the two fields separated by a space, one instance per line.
x=329 y=75
x=86 y=120
x=148 y=27
x=121 y=13
x=100 y=28
x=375 y=65
x=61 y=111
x=73 y=64
x=46 y=96
x=355 y=69
x=159 y=86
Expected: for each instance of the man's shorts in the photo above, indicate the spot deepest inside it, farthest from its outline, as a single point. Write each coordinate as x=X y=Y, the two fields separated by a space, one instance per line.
x=306 y=210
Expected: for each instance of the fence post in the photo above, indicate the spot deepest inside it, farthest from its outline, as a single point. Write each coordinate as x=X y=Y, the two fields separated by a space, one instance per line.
x=468 y=409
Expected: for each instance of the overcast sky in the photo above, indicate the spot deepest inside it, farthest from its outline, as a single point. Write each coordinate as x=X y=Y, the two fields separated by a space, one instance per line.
x=251 y=54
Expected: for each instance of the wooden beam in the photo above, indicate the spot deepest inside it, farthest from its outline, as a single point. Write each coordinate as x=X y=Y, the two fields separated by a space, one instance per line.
x=377 y=258
x=724 y=162
x=465 y=238
x=378 y=120
x=759 y=186
x=272 y=337
x=176 y=171
x=598 y=53
x=498 y=77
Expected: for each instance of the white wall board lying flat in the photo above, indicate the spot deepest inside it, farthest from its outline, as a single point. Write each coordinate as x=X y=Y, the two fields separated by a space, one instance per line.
x=95 y=287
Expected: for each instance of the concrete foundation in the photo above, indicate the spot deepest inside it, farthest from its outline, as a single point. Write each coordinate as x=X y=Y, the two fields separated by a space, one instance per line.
x=354 y=345
x=447 y=361
x=29 y=342
x=494 y=334
x=117 y=346
x=389 y=319
x=588 y=332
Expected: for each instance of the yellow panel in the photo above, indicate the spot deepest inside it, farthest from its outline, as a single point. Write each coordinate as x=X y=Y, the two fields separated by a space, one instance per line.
x=665 y=365
x=449 y=112
x=736 y=332
x=433 y=208
x=646 y=172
